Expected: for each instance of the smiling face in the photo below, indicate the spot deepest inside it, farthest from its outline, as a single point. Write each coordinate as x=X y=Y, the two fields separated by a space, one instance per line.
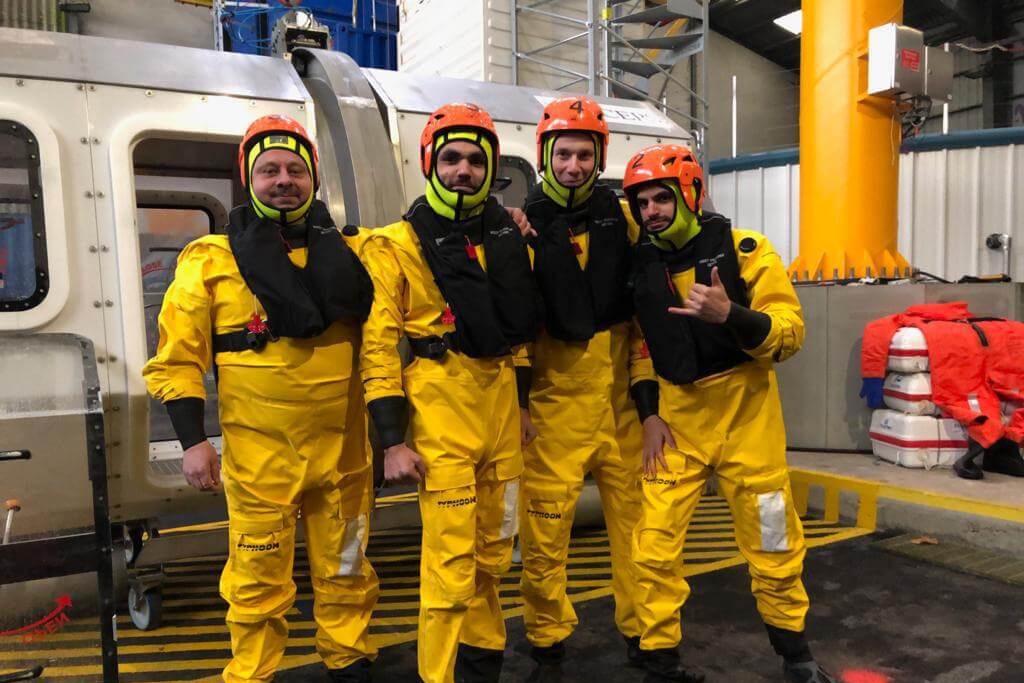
x=281 y=179
x=573 y=159
x=657 y=206
x=462 y=166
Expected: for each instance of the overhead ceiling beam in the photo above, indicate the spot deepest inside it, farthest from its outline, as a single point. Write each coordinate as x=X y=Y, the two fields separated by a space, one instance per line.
x=975 y=16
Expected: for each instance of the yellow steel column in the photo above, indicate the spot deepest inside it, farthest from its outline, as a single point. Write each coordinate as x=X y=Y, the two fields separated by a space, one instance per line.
x=849 y=147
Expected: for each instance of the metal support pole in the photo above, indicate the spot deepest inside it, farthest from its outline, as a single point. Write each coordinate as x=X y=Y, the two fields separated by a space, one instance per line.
x=945 y=105
x=218 y=28
x=555 y=67
x=706 y=114
x=552 y=46
x=606 y=48
x=513 y=17
x=591 y=48
x=734 y=116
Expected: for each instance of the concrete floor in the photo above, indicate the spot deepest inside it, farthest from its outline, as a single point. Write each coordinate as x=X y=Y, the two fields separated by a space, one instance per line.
x=988 y=513
x=994 y=489
x=875 y=618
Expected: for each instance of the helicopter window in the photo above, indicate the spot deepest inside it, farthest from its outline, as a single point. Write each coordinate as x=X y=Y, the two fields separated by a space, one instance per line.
x=515 y=178
x=23 y=267
x=183 y=189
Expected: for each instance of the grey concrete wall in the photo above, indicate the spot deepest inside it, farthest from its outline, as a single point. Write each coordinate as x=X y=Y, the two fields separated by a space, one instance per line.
x=768 y=99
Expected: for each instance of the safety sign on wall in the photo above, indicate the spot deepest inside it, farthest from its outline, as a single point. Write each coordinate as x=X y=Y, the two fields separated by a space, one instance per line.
x=633 y=116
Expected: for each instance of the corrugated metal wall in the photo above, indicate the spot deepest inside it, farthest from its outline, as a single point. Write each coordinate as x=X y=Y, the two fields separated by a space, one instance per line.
x=950 y=200
x=39 y=15
x=442 y=38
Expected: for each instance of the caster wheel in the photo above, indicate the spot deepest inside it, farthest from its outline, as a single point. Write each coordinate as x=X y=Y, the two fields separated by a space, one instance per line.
x=132 y=544
x=145 y=609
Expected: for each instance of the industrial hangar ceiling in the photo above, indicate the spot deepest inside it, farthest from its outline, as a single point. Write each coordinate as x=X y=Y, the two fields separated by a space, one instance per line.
x=751 y=23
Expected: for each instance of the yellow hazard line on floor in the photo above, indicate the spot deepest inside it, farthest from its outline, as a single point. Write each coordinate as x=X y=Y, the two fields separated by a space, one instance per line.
x=835 y=482
x=710 y=546
x=605 y=591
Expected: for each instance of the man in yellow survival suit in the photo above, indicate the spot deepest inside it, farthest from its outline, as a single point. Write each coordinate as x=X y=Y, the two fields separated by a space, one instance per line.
x=716 y=309
x=582 y=364
x=277 y=304
x=454 y=278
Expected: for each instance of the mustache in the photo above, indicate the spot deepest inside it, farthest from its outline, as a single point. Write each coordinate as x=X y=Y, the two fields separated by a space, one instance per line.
x=657 y=219
x=284 y=191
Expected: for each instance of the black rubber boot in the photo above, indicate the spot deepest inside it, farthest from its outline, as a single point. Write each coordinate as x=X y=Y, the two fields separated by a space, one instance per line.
x=634 y=655
x=357 y=672
x=1003 y=457
x=798 y=663
x=663 y=666
x=478 y=664
x=965 y=467
x=549 y=663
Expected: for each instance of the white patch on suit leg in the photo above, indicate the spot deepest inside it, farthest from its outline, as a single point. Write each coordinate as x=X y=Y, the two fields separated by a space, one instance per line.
x=510 y=519
x=772 y=509
x=351 y=561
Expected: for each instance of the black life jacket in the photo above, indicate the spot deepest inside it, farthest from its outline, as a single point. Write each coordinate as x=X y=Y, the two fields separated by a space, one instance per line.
x=300 y=302
x=579 y=302
x=685 y=349
x=494 y=310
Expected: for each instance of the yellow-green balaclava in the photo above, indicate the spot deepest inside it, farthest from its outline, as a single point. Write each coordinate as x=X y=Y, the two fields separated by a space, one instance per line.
x=684 y=226
x=292 y=144
x=567 y=197
x=452 y=204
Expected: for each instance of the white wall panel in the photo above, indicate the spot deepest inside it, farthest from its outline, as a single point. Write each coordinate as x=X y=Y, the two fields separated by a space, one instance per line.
x=949 y=202
x=442 y=38
x=776 y=218
x=750 y=192
x=928 y=208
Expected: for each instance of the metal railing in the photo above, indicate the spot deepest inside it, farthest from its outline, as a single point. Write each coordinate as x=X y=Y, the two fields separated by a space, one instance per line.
x=606 y=45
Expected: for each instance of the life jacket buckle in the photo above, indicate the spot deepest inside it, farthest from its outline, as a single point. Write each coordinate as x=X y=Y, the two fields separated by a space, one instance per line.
x=257 y=341
x=436 y=348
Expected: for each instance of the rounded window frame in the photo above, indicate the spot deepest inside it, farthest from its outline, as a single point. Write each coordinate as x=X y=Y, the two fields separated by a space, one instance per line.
x=35 y=187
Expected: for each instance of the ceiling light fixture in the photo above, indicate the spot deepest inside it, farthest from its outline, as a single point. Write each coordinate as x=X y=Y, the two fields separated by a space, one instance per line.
x=792 y=22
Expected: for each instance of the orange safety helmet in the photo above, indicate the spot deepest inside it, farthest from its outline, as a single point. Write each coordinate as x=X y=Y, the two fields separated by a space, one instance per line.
x=268 y=125
x=666 y=162
x=578 y=113
x=455 y=115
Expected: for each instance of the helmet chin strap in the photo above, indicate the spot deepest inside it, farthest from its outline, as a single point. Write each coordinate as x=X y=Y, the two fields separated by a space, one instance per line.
x=684 y=227
x=457 y=205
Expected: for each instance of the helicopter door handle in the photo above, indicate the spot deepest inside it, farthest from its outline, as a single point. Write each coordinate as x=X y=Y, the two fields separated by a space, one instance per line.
x=15 y=455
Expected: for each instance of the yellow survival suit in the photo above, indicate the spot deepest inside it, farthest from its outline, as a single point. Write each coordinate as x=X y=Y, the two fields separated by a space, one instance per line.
x=718 y=394
x=583 y=364
x=459 y=391
x=294 y=437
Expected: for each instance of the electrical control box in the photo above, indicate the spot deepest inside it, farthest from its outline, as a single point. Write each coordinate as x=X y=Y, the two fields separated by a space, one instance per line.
x=896 y=61
x=938 y=75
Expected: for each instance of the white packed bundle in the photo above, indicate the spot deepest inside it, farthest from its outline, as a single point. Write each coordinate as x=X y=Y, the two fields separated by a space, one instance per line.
x=917 y=440
x=908 y=351
x=909 y=393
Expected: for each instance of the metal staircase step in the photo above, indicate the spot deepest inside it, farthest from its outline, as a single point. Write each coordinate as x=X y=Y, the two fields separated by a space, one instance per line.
x=619 y=90
x=639 y=68
x=679 y=42
x=673 y=9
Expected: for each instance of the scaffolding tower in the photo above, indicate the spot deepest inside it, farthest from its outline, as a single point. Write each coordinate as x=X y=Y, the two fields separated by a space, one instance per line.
x=628 y=67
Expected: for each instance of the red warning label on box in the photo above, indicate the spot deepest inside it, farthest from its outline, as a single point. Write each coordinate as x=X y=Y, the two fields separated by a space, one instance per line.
x=910 y=59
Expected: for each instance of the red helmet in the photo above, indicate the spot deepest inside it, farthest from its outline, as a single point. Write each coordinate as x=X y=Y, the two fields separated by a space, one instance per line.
x=447 y=117
x=578 y=113
x=666 y=162
x=268 y=125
